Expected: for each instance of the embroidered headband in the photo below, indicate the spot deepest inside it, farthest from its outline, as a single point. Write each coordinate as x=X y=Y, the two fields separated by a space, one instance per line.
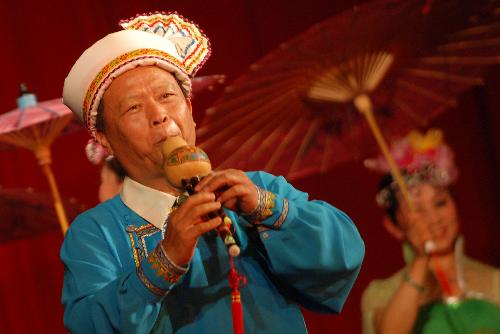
x=422 y=158
x=164 y=40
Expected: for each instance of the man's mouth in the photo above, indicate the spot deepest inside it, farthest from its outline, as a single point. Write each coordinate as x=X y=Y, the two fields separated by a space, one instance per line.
x=164 y=138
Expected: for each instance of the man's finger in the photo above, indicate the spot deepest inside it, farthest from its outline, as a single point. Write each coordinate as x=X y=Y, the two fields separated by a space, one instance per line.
x=233 y=192
x=221 y=179
x=201 y=210
x=202 y=228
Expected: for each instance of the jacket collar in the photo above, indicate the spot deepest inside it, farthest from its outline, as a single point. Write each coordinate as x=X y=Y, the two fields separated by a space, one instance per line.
x=151 y=204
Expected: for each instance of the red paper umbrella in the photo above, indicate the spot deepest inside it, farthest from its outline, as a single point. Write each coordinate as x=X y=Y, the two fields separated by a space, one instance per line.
x=314 y=102
x=26 y=213
x=35 y=127
x=303 y=108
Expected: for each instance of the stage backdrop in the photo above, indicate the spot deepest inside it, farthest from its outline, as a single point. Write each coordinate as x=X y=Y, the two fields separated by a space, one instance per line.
x=42 y=39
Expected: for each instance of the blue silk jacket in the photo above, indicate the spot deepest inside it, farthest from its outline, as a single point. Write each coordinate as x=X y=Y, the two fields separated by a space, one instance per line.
x=307 y=253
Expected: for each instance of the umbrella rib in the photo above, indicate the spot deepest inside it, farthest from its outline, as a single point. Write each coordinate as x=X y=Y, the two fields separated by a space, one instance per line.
x=289 y=136
x=463 y=45
x=50 y=111
x=248 y=130
x=17 y=138
x=55 y=127
x=233 y=96
x=426 y=92
x=460 y=60
x=304 y=144
x=477 y=30
x=439 y=75
x=22 y=112
x=36 y=135
x=263 y=79
x=220 y=135
x=250 y=141
x=244 y=120
x=270 y=139
x=408 y=111
x=241 y=102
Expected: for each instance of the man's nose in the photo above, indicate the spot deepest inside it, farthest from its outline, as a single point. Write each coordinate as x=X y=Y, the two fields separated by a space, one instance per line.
x=159 y=115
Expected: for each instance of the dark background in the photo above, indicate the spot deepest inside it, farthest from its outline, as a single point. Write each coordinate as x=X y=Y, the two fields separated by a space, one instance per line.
x=42 y=39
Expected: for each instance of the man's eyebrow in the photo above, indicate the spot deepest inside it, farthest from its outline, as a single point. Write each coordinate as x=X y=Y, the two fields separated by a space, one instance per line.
x=169 y=85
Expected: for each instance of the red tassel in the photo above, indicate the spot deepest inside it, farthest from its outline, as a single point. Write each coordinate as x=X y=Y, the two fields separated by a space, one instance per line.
x=442 y=279
x=235 y=280
x=237 y=312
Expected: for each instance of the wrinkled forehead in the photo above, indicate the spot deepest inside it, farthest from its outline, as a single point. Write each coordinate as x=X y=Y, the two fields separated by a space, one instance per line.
x=133 y=83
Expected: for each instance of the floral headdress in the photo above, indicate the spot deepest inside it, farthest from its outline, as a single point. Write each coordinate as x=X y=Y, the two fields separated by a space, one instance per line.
x=422 y=158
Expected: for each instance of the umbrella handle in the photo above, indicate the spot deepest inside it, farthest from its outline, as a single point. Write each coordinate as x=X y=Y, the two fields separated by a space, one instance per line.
x=61 y=215
x=364 y=106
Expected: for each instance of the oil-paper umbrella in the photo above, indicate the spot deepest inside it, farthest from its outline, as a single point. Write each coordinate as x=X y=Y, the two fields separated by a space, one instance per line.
x=314 y=102
x=35 y=126
x=302 y=108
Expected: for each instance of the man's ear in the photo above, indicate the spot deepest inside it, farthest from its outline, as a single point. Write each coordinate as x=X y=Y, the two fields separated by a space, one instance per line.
x=394 y=231
x=103 y=140
x=190 y=106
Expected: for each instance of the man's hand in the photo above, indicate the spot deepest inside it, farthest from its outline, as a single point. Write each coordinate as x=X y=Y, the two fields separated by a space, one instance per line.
x=186 y=224
x=235 y=190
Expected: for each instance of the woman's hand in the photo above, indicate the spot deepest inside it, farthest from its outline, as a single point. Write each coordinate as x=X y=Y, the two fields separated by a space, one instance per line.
x=418 y=233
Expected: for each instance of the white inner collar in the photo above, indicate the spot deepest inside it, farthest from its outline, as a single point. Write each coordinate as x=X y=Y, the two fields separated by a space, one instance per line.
x=151 y=204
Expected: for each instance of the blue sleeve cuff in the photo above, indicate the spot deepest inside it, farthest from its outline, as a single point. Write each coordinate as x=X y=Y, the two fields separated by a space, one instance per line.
x=279 y=214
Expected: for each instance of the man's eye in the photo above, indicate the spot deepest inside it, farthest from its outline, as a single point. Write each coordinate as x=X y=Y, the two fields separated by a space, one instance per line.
x=166 y=95
x=133 y=107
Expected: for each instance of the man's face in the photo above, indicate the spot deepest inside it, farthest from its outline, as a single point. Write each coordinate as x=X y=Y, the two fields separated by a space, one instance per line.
x=143 y=107
x=437 y=209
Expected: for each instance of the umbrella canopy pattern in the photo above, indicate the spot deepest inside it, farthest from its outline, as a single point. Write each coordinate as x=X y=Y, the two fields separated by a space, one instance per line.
x=295 y=111
x=35 y=126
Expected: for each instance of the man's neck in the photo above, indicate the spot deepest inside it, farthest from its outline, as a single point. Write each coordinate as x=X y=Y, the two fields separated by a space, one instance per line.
x=158 y=183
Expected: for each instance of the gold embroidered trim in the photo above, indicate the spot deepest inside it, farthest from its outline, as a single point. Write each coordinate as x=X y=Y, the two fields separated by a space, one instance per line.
x=139 y=249
x=151 y=287
x=134 y=250
x=284 y=213
x=164 y=267
x=265 y=206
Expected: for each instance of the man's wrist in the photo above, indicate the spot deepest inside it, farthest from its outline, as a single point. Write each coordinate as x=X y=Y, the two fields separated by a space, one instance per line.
x=264 y=209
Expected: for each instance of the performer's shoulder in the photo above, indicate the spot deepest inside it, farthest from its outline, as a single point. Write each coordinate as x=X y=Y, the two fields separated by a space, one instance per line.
x=106 y=213
x=262 y=178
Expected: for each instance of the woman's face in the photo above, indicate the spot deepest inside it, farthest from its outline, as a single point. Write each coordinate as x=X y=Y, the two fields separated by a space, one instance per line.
x=436 y=208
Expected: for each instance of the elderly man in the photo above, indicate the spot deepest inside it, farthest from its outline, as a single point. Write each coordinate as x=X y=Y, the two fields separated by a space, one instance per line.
x=133 y=263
